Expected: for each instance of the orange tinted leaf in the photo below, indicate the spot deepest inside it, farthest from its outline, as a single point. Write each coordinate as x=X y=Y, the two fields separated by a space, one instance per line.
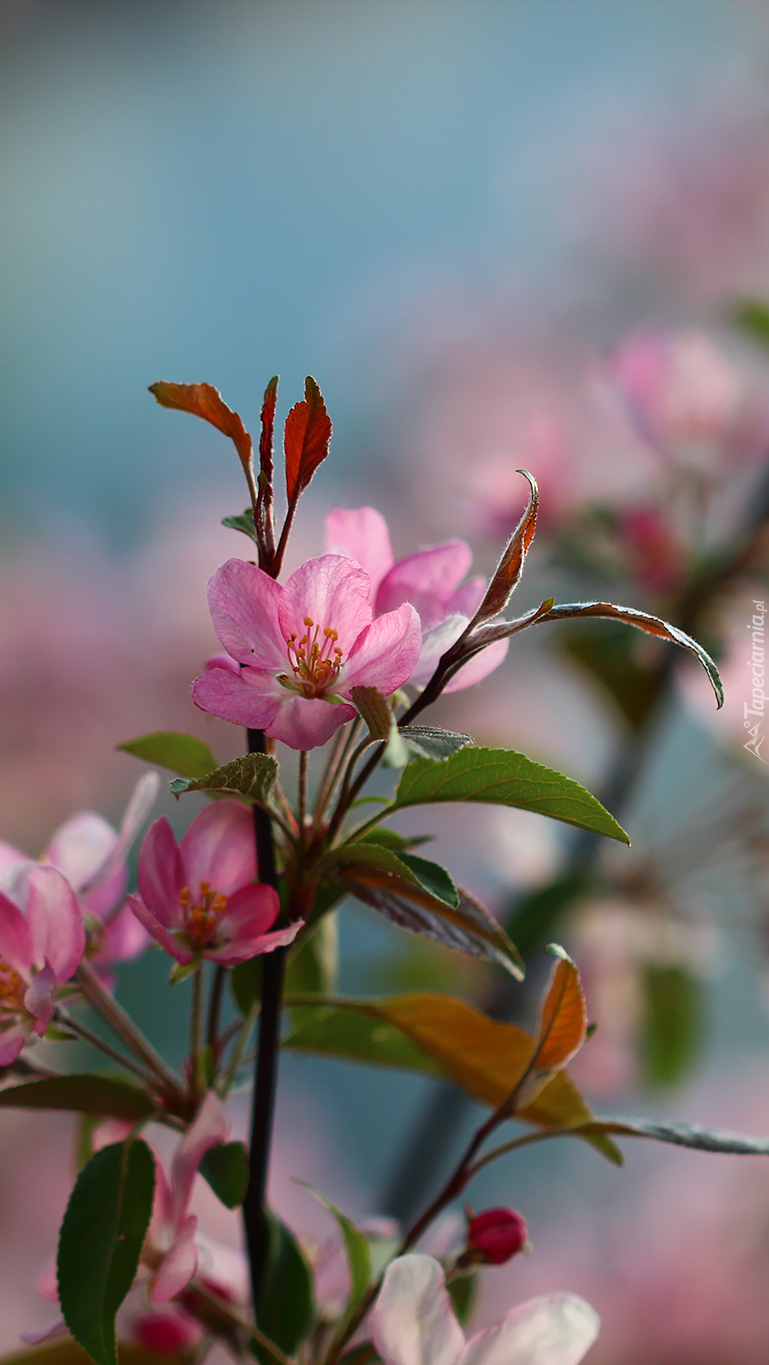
x=264 y=516
x=507 y=574
x=203 y=400
x=564 y=1017
x=307 y=438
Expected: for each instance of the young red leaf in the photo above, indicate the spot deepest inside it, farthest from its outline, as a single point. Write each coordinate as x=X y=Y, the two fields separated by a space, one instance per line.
x=203 y=400
x=307 y=438
x=264 y=517
x=507 y=574
x=564 y=1017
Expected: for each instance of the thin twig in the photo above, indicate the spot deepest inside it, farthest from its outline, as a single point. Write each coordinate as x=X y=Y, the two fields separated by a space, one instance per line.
x=113 y=1013
x=63 y=1017
x=237 y=1320
x=301 y=805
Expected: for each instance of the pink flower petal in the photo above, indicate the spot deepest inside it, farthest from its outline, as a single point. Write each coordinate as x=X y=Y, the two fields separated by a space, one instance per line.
x=334 y=592
x=467 y=599
x=479 y=667
x=79 y=846
x=10 y=858
x=110 y=876
x=435 y=643
x=241 y=950
x=385 y=654
x=221 y=661
x=55 y=922
x=243 y=601
x=412 y=1322
x=249 y=697
x=40 y=998
x=12 y=1041
x=305 y=723
x=252 y=905
x=211 y=1125
x=161 y=876
x=427 y=579
x=159 y=931
x=557 y=1329
x=362 y=534
x=125 y=939
x=15 y=937
x=179 y=1265
x=219 y=848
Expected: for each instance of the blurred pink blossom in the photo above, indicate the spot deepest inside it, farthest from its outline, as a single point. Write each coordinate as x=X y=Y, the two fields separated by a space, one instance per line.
x=42 y=942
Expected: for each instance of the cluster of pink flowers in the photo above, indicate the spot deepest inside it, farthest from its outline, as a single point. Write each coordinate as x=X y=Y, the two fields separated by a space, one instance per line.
x=353 y=617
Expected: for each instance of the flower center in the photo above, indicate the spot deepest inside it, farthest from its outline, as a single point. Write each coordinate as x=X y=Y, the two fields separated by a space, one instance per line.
x=13 y=988
x=316 y=660
x=201 y=914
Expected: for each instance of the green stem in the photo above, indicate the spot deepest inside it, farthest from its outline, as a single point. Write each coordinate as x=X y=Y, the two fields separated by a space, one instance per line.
x=63 y=1017
x=242 y=1323
x=196 y=1032
x=113 y=1014
x=215 y=1009
x=238 y=1052
x=301 y=807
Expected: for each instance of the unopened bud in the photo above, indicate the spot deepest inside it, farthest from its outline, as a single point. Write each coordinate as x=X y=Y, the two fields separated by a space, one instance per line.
x=495 y=1236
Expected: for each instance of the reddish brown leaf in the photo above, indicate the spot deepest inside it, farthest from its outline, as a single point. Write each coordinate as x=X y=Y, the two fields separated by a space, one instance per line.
x=264 y=515
x=203 y=400
x=507 y=574
x=307 y=439
x=643 y=620
x=563 y=1021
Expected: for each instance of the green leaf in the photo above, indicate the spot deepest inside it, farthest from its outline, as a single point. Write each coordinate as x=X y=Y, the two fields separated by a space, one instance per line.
x=532 y=917
x=375 y=711
x=752 y=317
x=185 y=754
x=246 y=984
x=357 y=1249
x=677 y=1134
x=251 y=778
x=285 y=1310
x=392 y=838
x=225 y=1167
x=431 y=877
x=67 y=1352
x=313 y=965
x=608 y=653
x=467 y=927
x=100 y=1242
x=673 y=1025
x=244 y=523
x=357 y=1037
x=503 y=777
x=86 y=1094
x=432 y=741
x=463 y=1291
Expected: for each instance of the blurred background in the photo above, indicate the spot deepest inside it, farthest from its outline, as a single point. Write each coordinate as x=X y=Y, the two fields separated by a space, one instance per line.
x=498 y=234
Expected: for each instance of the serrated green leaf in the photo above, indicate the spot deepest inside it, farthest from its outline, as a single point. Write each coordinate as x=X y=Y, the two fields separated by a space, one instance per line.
x=225 y=1167
x=285 y=1310
x=251 y=778
x=433 y=742
x=244 y=523
x=673 y=1025
x=84 y=1094
x=357 y=1249
x=503 y=777
x=431 y=877
x=100 y=1242
x=184 y=754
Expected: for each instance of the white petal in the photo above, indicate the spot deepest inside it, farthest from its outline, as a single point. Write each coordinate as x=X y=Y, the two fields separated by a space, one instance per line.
x=412 y=1322
x=555 y=1330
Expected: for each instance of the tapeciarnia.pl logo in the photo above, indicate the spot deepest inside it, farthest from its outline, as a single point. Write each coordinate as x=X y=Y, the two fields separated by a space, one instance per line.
x=756 y=706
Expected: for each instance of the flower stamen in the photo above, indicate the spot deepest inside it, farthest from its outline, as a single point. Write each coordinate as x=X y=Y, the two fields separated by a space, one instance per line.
x=201 y=915
x=316 y=660
x=13 y=988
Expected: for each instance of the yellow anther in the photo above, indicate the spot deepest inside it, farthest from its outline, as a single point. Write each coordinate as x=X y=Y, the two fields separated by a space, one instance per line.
x=185 y=897
x=308 y=621
x=219 y=904
x=205 y=887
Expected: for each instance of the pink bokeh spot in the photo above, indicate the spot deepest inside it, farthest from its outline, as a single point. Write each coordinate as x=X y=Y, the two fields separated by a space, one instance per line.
x=302 y=648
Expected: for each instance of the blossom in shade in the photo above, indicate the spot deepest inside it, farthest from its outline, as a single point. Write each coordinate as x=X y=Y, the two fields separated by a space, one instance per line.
x=42 y=942
x=92 y=855
x=430 y=579
x=413 y=1323
x=496 y=1235
x=200 y=898
x=172 y=1248
x=302 y=647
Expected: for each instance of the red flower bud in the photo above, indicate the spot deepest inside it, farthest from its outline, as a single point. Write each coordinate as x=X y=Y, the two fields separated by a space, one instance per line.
x=496 y=1235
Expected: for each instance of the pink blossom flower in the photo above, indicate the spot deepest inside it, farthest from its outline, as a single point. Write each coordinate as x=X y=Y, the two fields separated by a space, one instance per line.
x=302 y=648
x=690 y=401
x=42 y=942
x=92 y=856
x=172 y=1248
x=430 y=579
x=200 y=898
x=413 y=1323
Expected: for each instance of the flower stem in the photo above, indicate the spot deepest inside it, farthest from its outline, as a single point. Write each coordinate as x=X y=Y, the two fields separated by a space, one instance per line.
x=196 y=1032
x=107 y=1006
x=301 y=810
x=82 y=1031
x=266 y=1073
